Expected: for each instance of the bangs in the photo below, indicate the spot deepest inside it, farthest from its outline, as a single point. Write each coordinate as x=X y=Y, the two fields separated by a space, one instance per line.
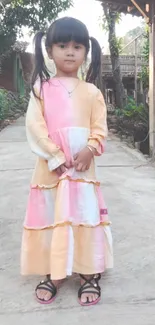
x=70 y=29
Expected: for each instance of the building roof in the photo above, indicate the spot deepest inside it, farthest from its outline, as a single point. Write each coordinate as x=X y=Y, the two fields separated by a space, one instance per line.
x=123 y=5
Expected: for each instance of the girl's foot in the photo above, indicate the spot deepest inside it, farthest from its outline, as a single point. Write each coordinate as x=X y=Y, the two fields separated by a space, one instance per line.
x=90 y=291
x=46 y=291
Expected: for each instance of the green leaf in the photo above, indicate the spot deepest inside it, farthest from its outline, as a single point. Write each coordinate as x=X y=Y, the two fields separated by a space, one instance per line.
x=27 y=13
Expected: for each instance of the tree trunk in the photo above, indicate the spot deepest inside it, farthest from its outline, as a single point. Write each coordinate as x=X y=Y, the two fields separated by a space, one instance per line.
x=111 y=17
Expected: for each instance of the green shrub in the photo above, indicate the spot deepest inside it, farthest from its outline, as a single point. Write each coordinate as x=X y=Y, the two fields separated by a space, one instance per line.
x=4 y=104
x=132 y=111
x=12 y=105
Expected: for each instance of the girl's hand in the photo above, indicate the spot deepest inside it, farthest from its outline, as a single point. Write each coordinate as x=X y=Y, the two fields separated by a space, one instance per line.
x=83 y=159
x=62 y=169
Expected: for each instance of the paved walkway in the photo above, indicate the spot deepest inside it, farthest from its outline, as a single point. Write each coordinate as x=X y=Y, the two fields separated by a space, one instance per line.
x=128 y=292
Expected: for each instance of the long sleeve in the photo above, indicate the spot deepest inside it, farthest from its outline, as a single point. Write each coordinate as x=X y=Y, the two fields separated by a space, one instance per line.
x=37 y=135
x=99 y=128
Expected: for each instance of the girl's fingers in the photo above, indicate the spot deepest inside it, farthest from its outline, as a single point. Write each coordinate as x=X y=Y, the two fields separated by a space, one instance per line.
x=63 y=169
x=79 y=167
x=84 y=168
x=68 y=164
x=76 y=163
x=75 y=157
x=58 y=170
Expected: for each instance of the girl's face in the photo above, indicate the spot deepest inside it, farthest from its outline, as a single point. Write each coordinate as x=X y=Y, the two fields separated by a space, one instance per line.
x=68 y=57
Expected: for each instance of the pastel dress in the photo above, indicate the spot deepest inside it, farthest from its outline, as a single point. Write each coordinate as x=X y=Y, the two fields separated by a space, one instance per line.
x=66 y=227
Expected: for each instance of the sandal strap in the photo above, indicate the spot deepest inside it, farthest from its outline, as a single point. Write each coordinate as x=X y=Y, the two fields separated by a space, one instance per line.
x=90 y=285
x=95 y=277
x=94 y=290
x=47 y=285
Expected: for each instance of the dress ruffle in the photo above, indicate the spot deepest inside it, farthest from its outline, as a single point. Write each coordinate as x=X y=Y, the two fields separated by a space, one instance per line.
x=64 y=250
x=71 y=202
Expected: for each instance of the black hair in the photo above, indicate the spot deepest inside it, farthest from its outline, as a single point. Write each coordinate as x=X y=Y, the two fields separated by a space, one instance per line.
x=65 y=30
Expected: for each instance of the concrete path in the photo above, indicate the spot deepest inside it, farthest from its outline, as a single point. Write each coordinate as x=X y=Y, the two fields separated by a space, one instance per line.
x=128 y=292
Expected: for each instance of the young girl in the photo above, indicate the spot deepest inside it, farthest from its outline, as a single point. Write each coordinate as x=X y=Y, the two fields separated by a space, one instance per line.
x=66 y=227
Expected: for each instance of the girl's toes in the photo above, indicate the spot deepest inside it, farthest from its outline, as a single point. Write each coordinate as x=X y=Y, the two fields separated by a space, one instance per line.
x=95 y=297
x=47 y=296
x=83 y=298
x=90 y=298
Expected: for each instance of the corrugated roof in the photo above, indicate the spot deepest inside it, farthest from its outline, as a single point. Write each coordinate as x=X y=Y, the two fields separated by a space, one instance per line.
x=122 y=5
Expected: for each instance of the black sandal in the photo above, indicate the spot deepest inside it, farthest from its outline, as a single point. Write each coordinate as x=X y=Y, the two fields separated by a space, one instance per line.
x=91 y=283
x=49 y=286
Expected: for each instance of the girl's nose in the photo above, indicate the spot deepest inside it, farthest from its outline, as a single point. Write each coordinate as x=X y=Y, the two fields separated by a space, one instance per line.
x=70 y=52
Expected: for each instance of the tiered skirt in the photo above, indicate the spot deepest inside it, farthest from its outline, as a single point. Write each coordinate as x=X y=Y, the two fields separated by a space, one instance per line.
x=66 y=230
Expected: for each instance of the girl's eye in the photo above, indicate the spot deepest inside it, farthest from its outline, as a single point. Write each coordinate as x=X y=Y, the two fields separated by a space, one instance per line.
x=62 y=46
x=77 y=47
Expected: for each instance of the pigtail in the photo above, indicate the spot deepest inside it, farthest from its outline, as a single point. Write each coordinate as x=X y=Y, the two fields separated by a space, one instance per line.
x=40 y=69
x=95 y=66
